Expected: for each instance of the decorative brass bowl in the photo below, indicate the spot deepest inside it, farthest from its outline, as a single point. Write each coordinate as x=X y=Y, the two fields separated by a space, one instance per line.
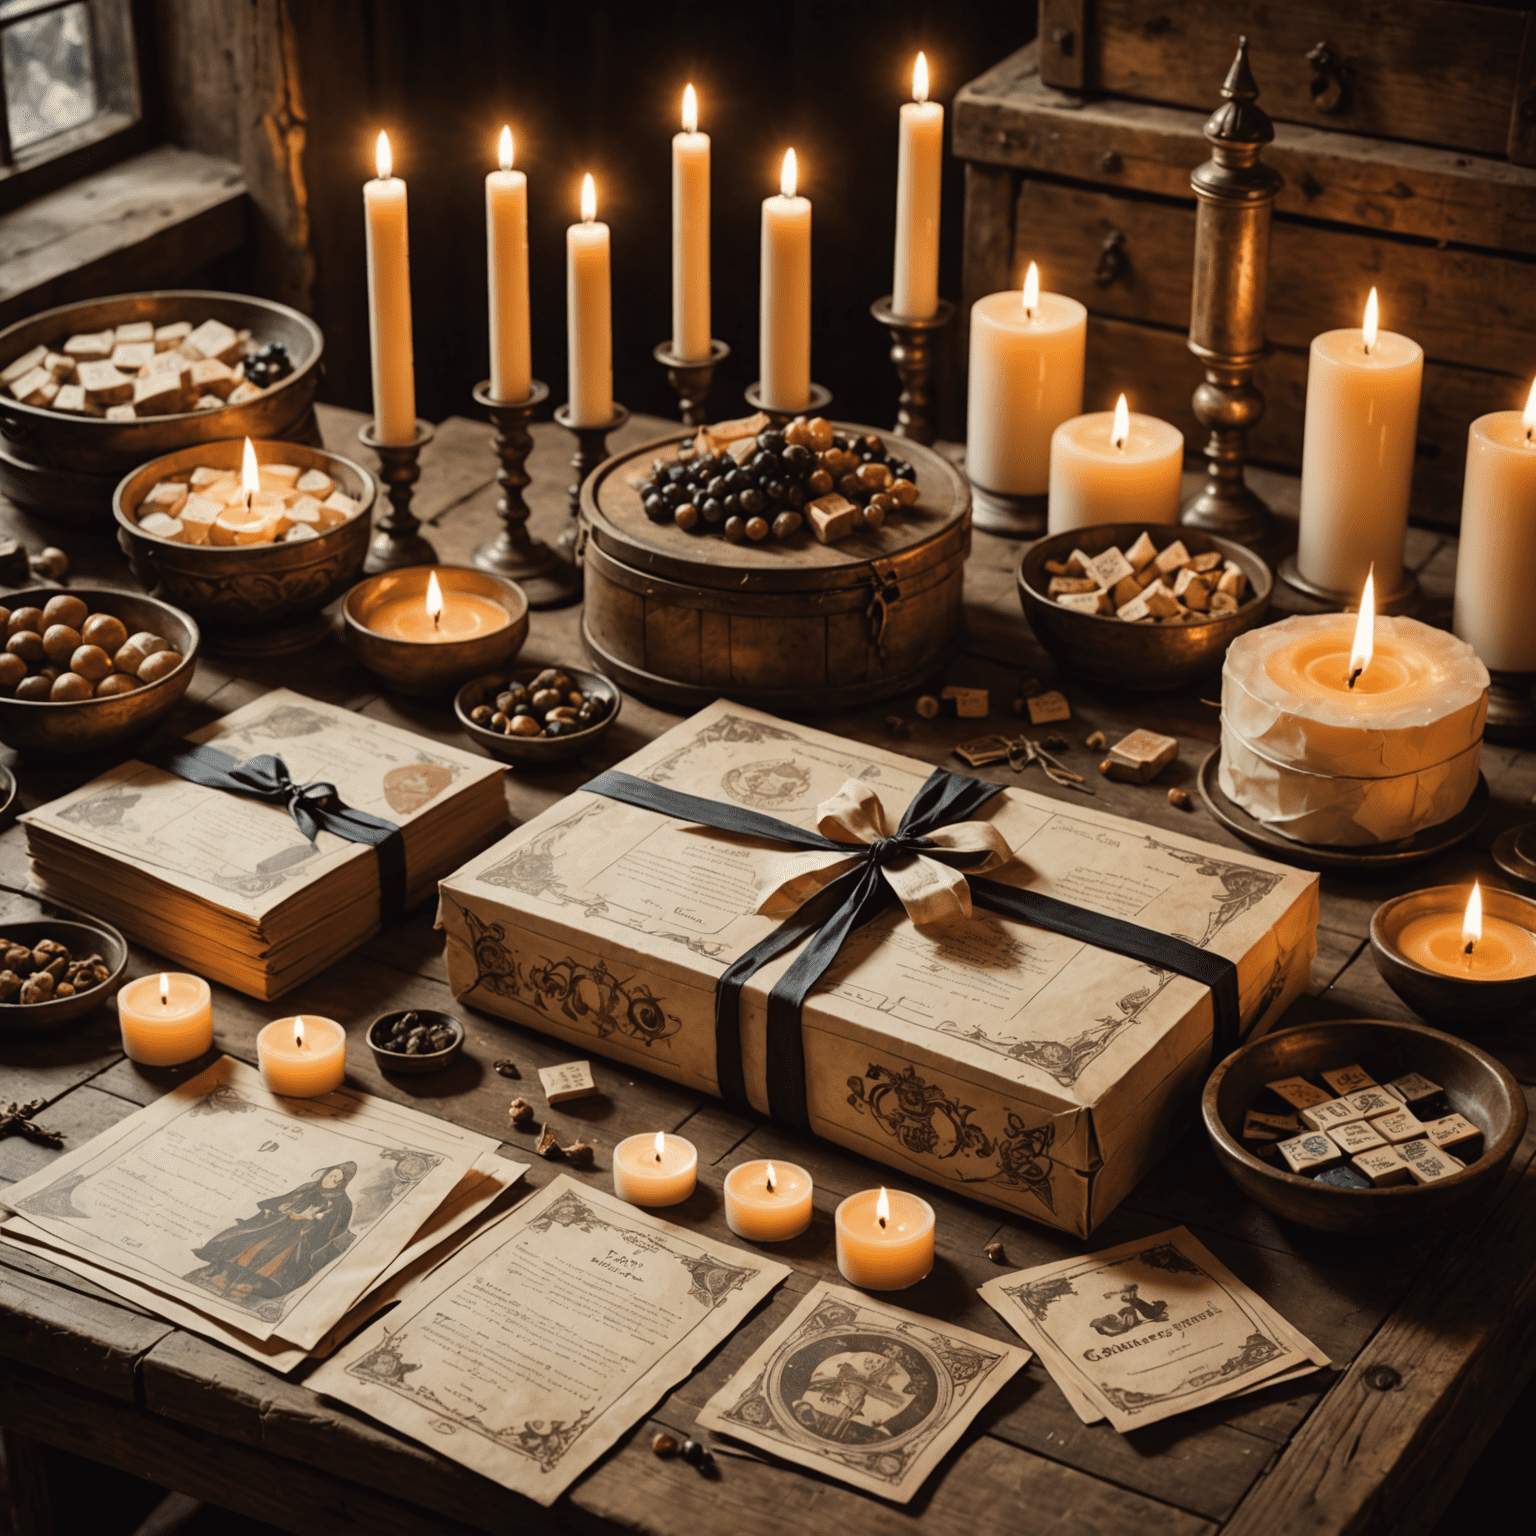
x=95 y=725
x=534 y=751
x=1476 y=1085
x=256 y=597
x=1149 y=658
x=427 y=667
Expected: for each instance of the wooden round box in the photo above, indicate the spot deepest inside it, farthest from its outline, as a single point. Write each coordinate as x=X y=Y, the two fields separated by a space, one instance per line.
x=790 y=625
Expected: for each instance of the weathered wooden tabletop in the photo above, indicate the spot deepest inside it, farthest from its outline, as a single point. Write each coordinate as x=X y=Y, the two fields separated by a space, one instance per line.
x=1432 y=1334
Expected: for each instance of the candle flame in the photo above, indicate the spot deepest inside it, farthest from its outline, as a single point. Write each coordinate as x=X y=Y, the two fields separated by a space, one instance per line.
x=1472 y=923
x=1365 y=629
x=661 y=1146
x=382 y=159
x=773 y=1178
x=789 y=177
x=250 y=476
x=1370 y=321
x=165 y=989
x=504 y=148
x=434 y=599
x=920 y=79
x=1031 y=290
x=883 y=1208
x=298 y=1034
x=588 y=199
x=1122 y=427
x=1529 y=419
x=690 y=110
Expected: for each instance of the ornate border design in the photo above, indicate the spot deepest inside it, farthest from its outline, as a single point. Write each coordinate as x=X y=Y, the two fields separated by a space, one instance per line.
x=1256 y=1349
x=1036 y=1295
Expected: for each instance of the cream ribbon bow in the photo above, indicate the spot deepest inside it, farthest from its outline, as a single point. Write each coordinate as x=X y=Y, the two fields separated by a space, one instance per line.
x=929 y=888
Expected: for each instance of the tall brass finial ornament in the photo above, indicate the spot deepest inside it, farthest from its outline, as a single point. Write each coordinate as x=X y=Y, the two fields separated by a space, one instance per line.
x=1231 y=282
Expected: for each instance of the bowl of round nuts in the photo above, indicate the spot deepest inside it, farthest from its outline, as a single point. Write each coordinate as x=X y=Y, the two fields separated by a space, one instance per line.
x=415 y=1040
x=54 y=969
x=537 y=714
x=90 y=669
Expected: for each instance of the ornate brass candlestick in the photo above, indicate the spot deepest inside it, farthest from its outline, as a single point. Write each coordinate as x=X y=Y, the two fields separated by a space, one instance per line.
x=591 y=450
x=912 y=354
x=691 y=380
x=396 y=541
x=1231 y=282
x=821 y=398
x=548 y=580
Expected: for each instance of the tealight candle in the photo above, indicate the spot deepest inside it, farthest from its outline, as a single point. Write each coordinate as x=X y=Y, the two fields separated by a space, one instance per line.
x=303 y=1057
x=1483 y=948
x=884 y=1240
x=166 y=1019
x=655 y=1170
x=768 y=1202
x=438 y=618
x=1114 y=467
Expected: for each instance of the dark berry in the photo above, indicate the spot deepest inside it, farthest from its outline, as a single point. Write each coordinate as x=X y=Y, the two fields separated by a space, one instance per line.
x=716 y=486
x=752 y=501
x=873 y=443
x=561 y=727
x=775 y=489
x=765 y=464
x=737 y=480
x=798 y=457
x=735 y=529
x=757 y=529
x=674 y=495
x=656 y=509
x=677 y=473
x=712 y=509
x=794 y=495
x=771 y=441
x=732 y=505
x=901 y=470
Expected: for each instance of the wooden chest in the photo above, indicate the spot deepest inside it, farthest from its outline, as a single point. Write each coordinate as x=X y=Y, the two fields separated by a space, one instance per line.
x=1079 y=150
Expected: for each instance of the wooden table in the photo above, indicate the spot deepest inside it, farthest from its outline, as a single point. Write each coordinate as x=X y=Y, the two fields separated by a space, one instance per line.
x=1432 y=1335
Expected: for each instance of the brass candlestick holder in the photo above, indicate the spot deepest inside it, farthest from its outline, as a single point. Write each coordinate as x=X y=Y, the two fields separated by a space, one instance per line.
x=591 y=450
x=396 y=540
x=821 y=398
x=548 y=580
x=691 y=380
x=912 y=354
x=1303 y=596
x=1226 y=328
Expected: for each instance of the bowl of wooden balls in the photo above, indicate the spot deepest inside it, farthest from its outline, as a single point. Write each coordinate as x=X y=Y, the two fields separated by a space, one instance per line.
x=1141 y=607
x=90 y=669
x=537 y=715
x=1363 y=1125
x=415 y=1040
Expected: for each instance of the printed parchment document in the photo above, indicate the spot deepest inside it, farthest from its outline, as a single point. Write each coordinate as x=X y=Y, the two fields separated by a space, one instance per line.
x=531 y=1350
x=271 y=1215
x=1149 y=1329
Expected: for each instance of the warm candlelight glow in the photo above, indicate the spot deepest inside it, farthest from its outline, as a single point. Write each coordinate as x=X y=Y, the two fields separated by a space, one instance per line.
x=661 y=1146
x=1122 y=427
x=250 y=476
x=1365 y=630
x=1031 y=290
x=1528 y=420
x=588 y=199
x=690 y=110
x=382 y=159
x=434 y=600
x=165 y=980
x=1370 y=321
x=1472 y=923
x=298 y=1034
x=883 y=1208
x=504 y=149
x=772 y=1178
x=789 y=176
x=920 y=79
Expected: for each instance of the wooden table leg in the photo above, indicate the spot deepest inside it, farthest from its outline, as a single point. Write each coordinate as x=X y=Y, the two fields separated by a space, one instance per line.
x=25 y=1487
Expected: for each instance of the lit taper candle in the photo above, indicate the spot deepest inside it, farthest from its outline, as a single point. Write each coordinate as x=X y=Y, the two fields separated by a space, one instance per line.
x=919 y=173
x=589 y=315
x=389 y=301
x=690 y=236
x=506 y=253
x=784 y=329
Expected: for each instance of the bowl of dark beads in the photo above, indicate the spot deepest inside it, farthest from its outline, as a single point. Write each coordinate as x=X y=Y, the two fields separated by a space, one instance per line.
x=536 y=715
x=415 y=1040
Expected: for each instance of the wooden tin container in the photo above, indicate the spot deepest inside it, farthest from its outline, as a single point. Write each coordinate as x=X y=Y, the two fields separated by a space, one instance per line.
x=789 y=625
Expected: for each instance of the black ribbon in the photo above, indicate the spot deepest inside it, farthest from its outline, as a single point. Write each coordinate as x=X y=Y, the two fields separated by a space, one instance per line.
x=854 y=897
x=315 y=808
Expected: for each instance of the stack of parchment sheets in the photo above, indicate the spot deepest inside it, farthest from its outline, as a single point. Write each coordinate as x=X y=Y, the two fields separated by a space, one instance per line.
x=229 y=885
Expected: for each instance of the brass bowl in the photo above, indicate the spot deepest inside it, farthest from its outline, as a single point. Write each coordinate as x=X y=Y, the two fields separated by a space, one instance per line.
x=428 y=668
x=534 y=751
x=1149 y=658
x=1476 y=1085
x=95 y=725
x=244 y=593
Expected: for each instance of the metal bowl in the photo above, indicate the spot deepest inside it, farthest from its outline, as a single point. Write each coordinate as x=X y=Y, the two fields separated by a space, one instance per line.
x=242 y=594
x=428 y=1061
x=81 y=936
x=94 y=725
x=534 y=751
x=1149 y=658
x=1477 y=1086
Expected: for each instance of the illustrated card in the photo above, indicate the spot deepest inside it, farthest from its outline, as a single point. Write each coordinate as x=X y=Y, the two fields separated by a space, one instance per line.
x=1149 y=1329
x=861 y=1391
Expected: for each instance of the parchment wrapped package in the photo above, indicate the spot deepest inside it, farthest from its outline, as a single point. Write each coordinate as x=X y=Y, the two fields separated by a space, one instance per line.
x=1348 y=769
x=1021 y=1067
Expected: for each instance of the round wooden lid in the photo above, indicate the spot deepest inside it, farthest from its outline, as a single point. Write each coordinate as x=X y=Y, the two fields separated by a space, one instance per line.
x=616 y=520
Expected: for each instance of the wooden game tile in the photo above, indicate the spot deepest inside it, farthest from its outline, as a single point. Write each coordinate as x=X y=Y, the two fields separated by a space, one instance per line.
x=1455 y=1133
x=1346 y=1080
x=1400 y=1126
x=1330 y=1113
x=1310 y=1153
x=1357 y=1136
x=1298 y=1092
x=1370 y=1103
x=569 y=1080
x=1383 y=1167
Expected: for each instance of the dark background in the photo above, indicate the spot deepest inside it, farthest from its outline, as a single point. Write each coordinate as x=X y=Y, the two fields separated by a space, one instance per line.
x=598 y=87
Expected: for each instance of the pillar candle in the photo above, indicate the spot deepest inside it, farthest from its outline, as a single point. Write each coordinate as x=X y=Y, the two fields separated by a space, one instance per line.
x=389 y=303
x=303 y=1057
x=589 y=315
x=1469 y=944
x=1357 y=456
x=784 y=325
x=655 y=1170
x=919 y=171
x=1114 y=467
x=690 y=236
x=506 y=250
x=1026 y=379
x=884 y=1240
x=1496 y=559
x=768 y=1202
x=166 y=1019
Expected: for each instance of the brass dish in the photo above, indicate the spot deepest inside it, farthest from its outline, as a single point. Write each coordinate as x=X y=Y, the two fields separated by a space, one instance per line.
x=1149 y=658
x=254 y=599
x=534 y=751
x=95 y=725
x=1477 y=1086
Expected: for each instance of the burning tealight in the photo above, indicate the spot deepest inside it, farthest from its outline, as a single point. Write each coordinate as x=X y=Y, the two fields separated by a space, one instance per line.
x=1482 y=948
x=435 y=617
x=768 y=1202
x=166 y=1019
x=884 y=1240
x=655 y=1170
x=302 y=1057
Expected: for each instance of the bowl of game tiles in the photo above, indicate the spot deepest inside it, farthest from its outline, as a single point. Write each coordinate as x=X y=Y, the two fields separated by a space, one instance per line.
x=1131 y=606
x=1363 y=1125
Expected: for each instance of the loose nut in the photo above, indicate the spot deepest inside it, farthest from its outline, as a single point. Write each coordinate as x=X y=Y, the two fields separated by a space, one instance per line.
x=1095 y=741
x=995 y=1253
x=1179 y=797
x=521 y=1111
x=1105 y=766
x=665 y=1445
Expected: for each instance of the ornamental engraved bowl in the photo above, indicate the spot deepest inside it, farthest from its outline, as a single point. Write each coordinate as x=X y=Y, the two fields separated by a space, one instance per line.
x=252 y=587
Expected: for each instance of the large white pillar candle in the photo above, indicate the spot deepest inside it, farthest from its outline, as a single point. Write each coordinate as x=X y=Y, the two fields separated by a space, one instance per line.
x=690 y=236
x=589 y=315
x=1357 y=457
x=389 y=302
x=1496 y=559
x=506 y=249
x=784 y=327
x=919 y=171
x=1026 y=378
x=1114 y=467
